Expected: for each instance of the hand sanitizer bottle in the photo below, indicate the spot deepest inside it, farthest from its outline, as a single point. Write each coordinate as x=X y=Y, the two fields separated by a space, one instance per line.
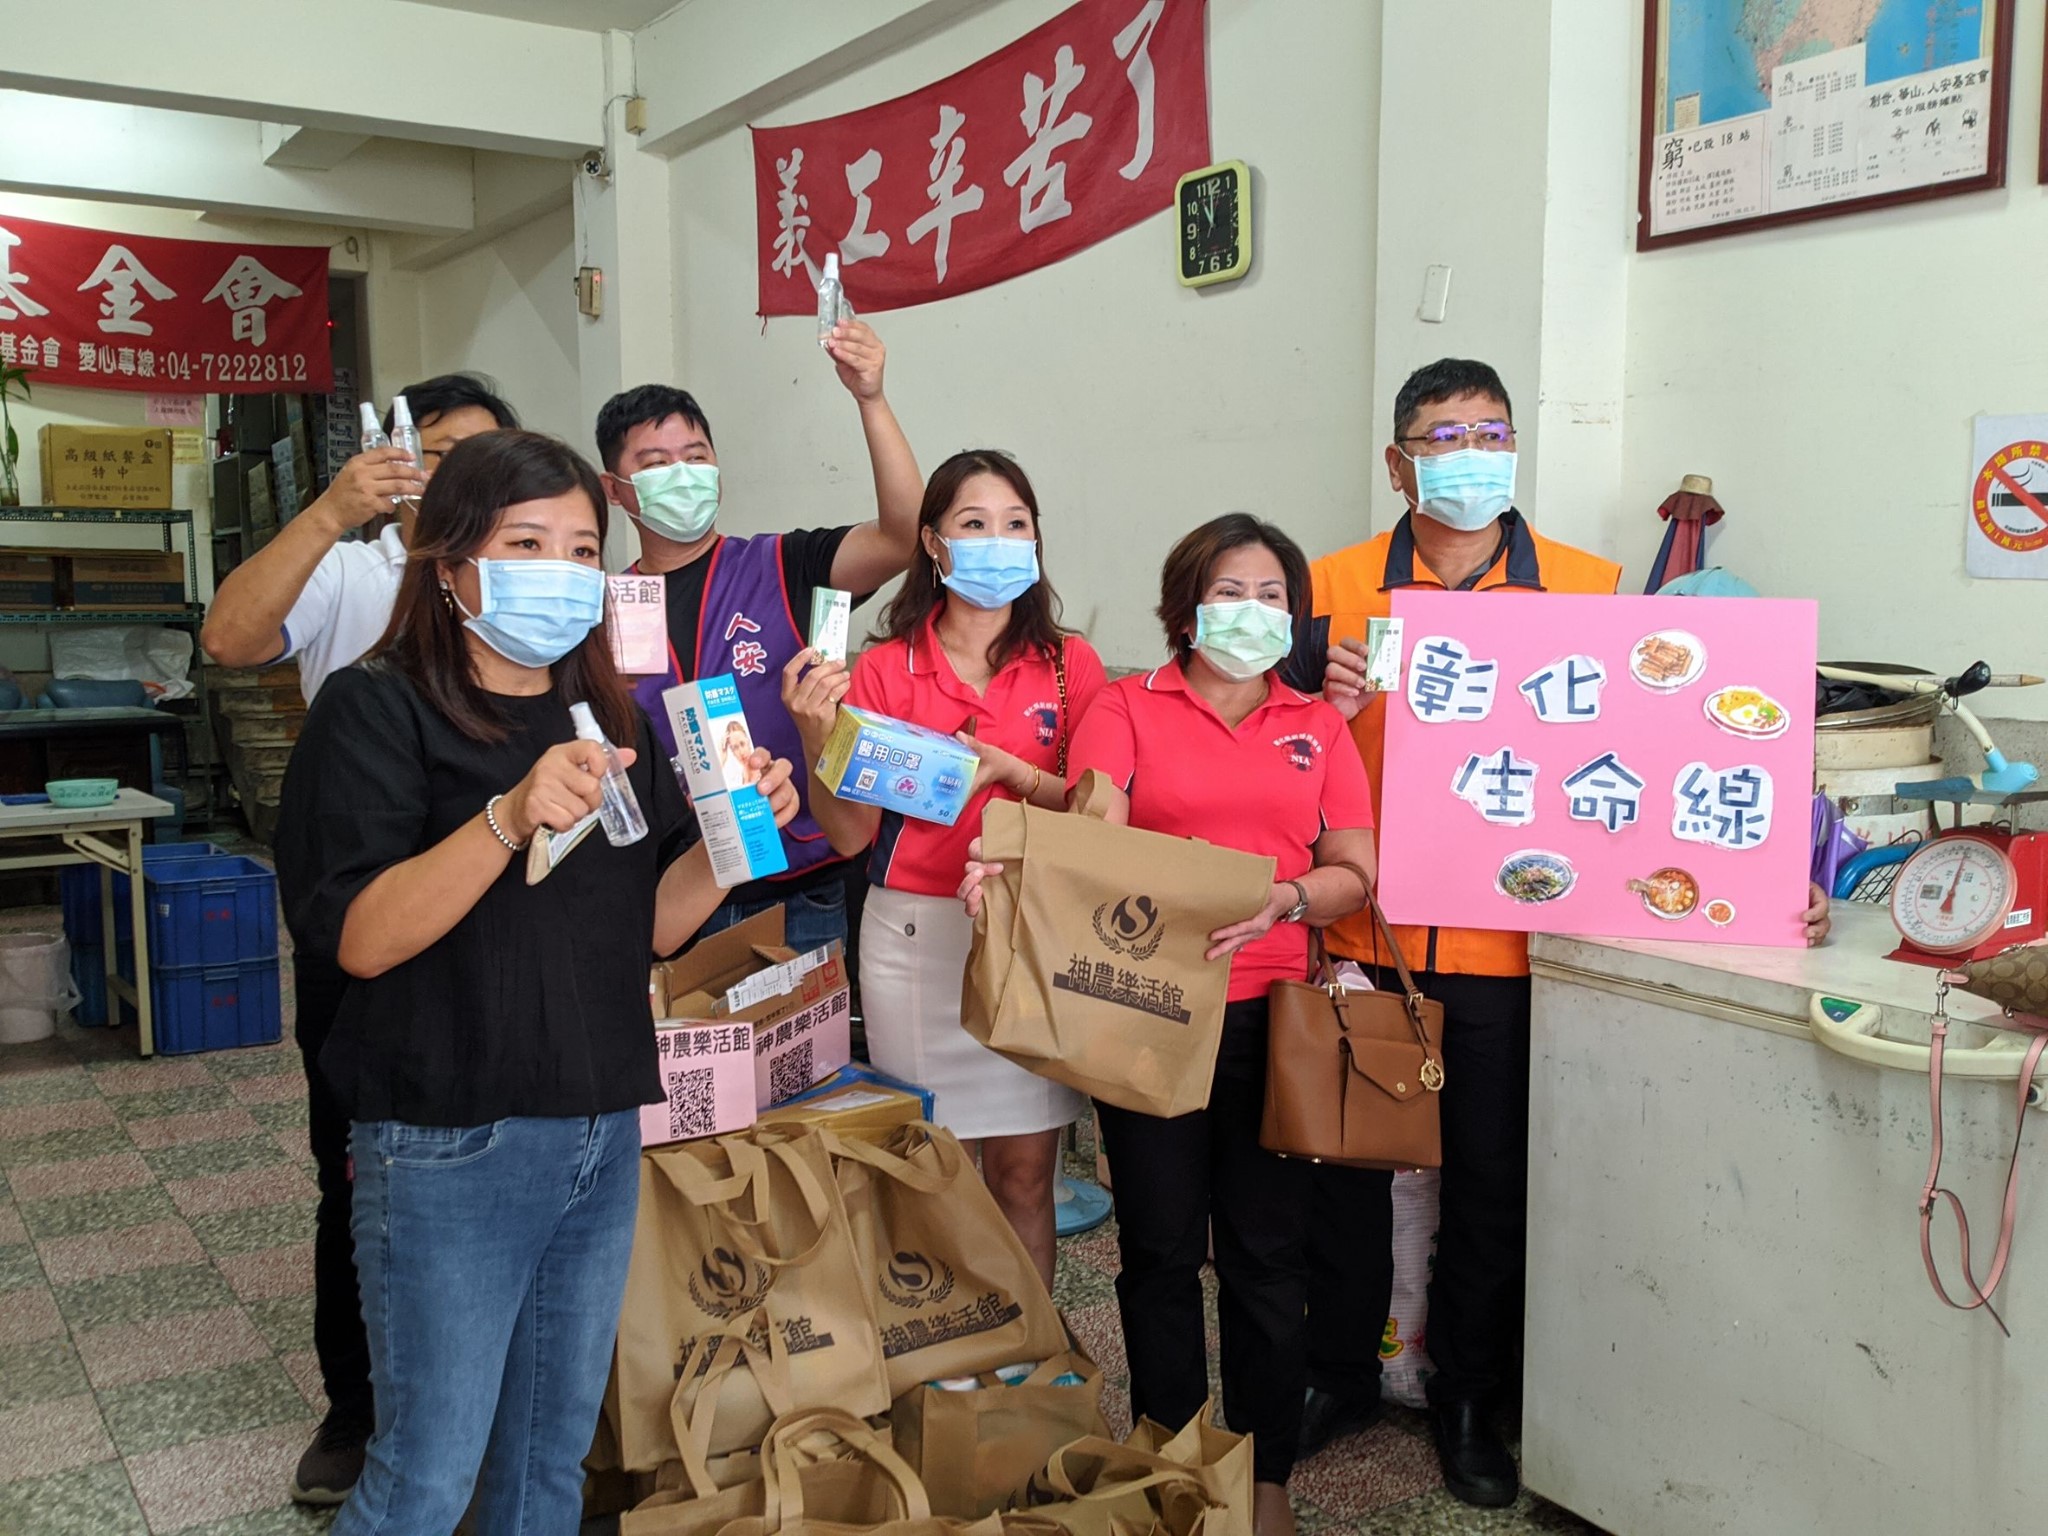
x=831 y=298
x=372 y=430
x=404 y=434
x=620 y=809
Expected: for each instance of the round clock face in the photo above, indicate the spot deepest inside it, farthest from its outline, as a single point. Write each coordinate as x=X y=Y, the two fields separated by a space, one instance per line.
x=1953 y=894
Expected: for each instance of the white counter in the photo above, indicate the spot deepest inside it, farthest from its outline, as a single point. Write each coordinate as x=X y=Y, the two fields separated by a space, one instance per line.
x=1729 y=1326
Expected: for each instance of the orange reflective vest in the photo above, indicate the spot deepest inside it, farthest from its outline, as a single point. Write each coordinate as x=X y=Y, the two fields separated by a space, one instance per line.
x=1357 y=584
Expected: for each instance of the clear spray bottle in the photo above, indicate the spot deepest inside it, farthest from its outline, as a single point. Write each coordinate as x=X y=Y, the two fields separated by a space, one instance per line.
x=372 y=429
x=405 y=435
x=620 y=808
x=832 y=305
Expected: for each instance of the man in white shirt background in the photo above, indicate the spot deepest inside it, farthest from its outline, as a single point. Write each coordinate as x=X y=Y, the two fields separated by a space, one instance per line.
x=315 y=594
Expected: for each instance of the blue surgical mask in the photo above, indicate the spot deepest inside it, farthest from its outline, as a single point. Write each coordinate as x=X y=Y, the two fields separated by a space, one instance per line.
x=1243 y=640
x=990 y=573
x=1465 y=490
x=534 y=612
x=678 y=501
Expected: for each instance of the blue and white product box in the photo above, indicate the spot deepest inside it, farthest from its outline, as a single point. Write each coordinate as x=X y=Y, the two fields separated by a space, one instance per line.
x=712 y=748
x=871 y=759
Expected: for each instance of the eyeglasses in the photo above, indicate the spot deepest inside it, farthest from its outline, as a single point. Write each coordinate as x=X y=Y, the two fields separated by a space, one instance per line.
x=1448 y=436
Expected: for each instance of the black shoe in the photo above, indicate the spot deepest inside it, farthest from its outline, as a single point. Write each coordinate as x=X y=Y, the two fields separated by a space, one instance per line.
x=1326 y=1417
x=333 y=1461
x=1477 y=1466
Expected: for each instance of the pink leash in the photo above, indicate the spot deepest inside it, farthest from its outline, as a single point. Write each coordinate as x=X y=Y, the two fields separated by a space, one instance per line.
x=1981 y=1295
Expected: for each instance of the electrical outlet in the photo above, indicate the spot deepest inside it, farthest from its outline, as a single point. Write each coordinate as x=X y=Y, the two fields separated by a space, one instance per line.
x=1436 y=295
x=636 y=114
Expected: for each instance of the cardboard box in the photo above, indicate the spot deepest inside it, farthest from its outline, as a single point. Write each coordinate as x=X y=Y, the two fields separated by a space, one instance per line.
x=712 y=745
x=117 y=579
x=28 y=580
x=871 y=759
x=800 y=1007
x=849 y=1107
x=707 y=1073
x=125 y=467
x=831 y=622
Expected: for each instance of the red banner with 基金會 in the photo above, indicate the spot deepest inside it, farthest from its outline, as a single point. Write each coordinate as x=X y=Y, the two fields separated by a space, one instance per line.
x=1074 y=132
x=102 y=310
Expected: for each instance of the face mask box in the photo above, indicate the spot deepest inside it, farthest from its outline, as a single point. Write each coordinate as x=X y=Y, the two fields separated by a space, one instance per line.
x=798 y=1007
x=712 y=747
x=707 y=1075
x=871 y=759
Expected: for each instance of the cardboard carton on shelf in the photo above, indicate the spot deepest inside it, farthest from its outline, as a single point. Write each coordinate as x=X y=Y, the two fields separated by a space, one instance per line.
x=125 y=468
x=111 y=580
x=28 y=581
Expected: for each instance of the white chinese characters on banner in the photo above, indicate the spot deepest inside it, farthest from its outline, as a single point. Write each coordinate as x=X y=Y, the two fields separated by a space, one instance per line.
x=794 y=224
x=1131 y=44
x=1724 y=808
x=949 y=201
x=1501 y=786
x=245 y=288
x=121 y=274
x=1605 y=790
x=15 y=304
x=1566 y=692
x=861 y=242
x=1445 y=683
x=1044 y=194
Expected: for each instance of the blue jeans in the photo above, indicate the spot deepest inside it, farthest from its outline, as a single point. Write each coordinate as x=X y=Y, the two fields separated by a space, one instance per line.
x=809 y=918
x=493 y=1261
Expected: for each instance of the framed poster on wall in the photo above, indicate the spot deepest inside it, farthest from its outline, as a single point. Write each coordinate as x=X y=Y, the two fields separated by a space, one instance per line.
x=1760 y=115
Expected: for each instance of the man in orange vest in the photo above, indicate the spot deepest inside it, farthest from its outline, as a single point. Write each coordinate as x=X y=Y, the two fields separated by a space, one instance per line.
x=1453 y=460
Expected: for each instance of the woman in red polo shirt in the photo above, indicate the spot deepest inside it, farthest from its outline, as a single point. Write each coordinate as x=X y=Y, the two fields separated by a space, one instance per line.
x=1212 y=745
x=971 y=645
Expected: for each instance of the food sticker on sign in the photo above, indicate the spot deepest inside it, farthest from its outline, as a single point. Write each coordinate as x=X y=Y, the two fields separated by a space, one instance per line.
x=639 y=615
x=1723 y=808
x=2008 y=518
x=1667 y=661
x=1501 y=786
x=1566 y=692
x=1534 y=876
x=1720 y=913
x=1446 y=685
x=1671 y=894
x=1749 y=713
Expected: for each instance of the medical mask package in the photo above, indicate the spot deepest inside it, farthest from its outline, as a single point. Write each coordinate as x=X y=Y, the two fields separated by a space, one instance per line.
x=1243 y=640
x=713 y=743
x=991 y=573
x=678 y=501
x=534 y=612
x=1465 y=490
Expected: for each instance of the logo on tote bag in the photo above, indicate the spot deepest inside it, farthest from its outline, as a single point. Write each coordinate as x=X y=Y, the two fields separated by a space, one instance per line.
x=1132 y=927
x=729 y=1286
x=913 y=1280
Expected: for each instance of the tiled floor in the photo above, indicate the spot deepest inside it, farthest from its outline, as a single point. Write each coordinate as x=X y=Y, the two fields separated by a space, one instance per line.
x=156 y=1366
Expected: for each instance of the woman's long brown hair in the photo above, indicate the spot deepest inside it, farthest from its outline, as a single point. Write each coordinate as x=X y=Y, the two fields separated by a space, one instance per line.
x=464 y=503
x=1034 y=618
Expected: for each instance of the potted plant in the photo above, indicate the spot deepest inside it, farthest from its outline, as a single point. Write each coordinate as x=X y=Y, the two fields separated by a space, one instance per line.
x=10 y=444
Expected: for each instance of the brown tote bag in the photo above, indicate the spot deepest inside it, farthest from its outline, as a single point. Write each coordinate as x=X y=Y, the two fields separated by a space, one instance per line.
x=1352 y=1077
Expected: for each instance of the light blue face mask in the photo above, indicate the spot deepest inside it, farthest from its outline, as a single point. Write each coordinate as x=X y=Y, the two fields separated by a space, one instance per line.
x=534 y=612
x=993 y=572
x=678 y=501
x=1467 y=489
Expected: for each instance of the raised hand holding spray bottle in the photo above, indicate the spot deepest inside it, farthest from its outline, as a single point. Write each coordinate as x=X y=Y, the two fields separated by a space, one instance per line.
x=620 y=809
x=832 y=305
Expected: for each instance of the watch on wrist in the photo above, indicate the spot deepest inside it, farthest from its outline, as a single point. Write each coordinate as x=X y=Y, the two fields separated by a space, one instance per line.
x=1299 y=910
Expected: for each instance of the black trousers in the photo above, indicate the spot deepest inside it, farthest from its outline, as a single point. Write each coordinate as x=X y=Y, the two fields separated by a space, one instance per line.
x=1175 y=1182
x=339 y=1337
x=1476 y=1289
x=1350 y=1278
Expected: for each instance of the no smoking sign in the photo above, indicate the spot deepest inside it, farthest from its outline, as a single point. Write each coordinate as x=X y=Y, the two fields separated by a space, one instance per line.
x=2008 y=530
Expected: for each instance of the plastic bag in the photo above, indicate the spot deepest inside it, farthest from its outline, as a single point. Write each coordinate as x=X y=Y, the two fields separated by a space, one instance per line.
x=160 y=659
x=1404 y=1355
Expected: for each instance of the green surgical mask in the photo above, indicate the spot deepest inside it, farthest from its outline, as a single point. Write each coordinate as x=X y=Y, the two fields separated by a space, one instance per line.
x=678 y=501
x=1243 y=640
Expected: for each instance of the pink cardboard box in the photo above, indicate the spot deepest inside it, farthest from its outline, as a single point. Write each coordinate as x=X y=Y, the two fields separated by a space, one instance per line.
x=707 y=1072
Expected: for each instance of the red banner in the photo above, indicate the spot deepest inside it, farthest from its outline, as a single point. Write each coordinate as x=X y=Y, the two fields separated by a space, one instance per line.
x=1072 y=133
x=200 y=317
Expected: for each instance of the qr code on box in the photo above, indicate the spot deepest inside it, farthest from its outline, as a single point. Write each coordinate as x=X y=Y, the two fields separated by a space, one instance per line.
x=692 y=1106
x=790 y=1073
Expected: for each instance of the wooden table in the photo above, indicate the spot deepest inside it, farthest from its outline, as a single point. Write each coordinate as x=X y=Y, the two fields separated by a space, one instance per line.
x=111 y=837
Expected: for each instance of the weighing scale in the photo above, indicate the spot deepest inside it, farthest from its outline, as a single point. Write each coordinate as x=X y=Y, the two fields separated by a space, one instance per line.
x=1969 y=895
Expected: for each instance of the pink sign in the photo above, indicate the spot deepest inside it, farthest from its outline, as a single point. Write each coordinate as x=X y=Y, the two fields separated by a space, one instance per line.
x=1635 y=767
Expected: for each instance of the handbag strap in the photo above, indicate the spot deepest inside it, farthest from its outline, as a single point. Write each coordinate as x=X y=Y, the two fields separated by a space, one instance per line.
x=1411 y=995
x=1980 y=1294
x=1059 y=676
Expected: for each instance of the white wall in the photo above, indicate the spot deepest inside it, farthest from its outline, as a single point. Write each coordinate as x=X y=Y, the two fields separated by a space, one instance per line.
x=1140 y=408
x=508 y=309
x=1825 y=376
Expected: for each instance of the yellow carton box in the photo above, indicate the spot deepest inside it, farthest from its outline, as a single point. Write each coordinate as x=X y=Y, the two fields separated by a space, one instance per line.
x=123 y=467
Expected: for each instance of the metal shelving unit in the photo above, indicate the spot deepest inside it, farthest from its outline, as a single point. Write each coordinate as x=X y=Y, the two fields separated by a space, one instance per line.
x=188 y=616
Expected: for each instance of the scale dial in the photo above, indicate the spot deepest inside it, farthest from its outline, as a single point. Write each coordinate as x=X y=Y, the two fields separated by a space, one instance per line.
x=1954 y=894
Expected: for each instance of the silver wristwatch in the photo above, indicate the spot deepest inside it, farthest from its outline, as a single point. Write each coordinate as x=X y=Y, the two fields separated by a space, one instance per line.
x=1299 y=910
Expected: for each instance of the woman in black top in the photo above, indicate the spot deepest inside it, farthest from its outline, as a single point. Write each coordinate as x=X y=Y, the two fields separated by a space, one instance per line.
x=494 y=1045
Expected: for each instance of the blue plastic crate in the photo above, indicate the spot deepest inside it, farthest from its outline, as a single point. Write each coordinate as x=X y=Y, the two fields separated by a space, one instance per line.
x=211 y=912
x=78 y=889
x=216 y=1007
x=89 y=971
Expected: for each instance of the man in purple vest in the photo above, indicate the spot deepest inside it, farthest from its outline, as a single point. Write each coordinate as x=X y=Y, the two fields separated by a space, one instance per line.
x=742 y=604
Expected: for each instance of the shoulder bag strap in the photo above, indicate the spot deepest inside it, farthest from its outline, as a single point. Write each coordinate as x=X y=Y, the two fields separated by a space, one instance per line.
x=1411 y=994
x=1059 y=674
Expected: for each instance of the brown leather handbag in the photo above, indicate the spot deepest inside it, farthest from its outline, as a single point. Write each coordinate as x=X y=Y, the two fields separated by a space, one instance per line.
x=1352 y=1077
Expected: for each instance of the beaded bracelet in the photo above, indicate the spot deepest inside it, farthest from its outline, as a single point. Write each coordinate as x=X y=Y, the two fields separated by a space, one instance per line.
x=491 y=821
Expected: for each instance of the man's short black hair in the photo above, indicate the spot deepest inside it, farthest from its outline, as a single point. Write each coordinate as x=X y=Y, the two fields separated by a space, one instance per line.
x=635 y=408
x=453 y=392
x=1446 y=379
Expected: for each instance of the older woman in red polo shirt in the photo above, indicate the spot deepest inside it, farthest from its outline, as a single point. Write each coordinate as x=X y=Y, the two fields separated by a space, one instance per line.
x=971 y=645
x=1212 y=745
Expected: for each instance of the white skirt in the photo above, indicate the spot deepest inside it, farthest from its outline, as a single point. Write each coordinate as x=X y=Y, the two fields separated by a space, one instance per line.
x=913 y=953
